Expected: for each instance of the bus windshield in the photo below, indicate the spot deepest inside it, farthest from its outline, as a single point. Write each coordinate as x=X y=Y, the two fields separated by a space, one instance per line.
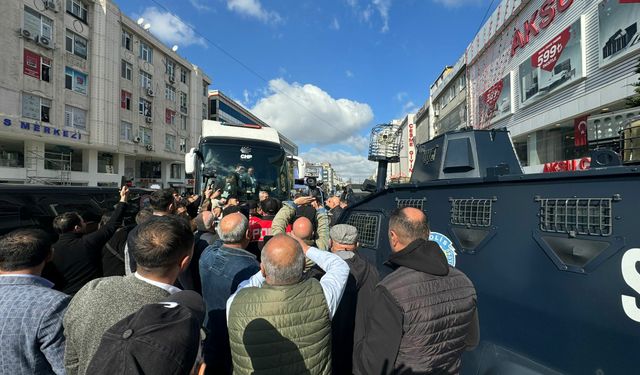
x=243 y=171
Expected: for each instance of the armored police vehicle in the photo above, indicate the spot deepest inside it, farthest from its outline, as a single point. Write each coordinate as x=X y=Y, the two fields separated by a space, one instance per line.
x=554 y=257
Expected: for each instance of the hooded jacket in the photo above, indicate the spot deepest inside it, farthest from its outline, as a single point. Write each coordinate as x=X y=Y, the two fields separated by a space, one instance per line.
x=423 y=316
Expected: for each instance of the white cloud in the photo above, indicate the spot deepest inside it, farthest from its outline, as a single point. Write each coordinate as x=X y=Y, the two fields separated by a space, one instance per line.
x=254 y=9
x=245 y=96
x=457 y=3
x=335 y=25
x=401 y=96
x=382 y=7
x=409 y=107
x=347 y=165
x=348 y=73
x=200 y=5
x=357 y=142
x=170 y=29
x=308 y=114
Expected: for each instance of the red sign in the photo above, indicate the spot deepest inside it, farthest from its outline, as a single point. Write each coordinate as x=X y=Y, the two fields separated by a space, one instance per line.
x=492 y=95
x=540 y=19
x=31 y=65
x=547 y=57
x=580 y=131
x=412 y=148
x=568 y=165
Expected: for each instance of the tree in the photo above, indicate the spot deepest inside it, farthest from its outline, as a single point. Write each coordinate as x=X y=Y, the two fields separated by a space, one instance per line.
x=634 y=100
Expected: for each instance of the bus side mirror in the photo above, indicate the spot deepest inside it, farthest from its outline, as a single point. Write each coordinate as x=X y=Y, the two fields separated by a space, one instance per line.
x=190 y=159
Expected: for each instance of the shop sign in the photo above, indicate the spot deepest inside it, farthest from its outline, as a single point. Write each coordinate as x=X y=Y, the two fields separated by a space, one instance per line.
x=618 y=29
x=44 y=129
x=555 y=65
x=495 y=103
x=568 y=165
x=31 y=64
x=412 y=147
x=539 y=20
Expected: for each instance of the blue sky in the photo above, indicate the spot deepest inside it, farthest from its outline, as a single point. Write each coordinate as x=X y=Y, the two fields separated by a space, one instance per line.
x=322 y=72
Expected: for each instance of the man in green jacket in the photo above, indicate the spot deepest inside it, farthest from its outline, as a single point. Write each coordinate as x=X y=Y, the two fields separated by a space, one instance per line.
x=279 y=323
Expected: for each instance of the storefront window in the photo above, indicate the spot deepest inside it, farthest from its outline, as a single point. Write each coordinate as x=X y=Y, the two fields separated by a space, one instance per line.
x=150 y=169
x=106 y=163
x=549 y=145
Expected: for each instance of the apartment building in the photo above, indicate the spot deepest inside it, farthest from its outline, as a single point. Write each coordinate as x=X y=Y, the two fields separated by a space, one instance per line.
x=88 y=95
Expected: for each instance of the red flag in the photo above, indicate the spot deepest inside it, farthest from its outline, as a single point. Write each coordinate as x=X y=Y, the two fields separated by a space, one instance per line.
x=580 y=131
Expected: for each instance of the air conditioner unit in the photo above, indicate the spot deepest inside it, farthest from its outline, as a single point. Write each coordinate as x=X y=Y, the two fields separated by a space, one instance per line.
x=51 y=5
x=172 y=79
x=137 y=140
x=149 y=148
x=436 y=113
x=45 y=42
x=148 y=119
x=150 y=92
x=25 y=33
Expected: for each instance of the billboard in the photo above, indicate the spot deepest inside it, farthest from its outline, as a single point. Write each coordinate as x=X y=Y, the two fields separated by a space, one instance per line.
x=495 y=103
x=619 y=35
x=558 y=63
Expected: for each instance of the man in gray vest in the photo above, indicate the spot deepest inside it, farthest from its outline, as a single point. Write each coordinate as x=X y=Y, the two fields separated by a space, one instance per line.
x=424 y=313
x=278 y=322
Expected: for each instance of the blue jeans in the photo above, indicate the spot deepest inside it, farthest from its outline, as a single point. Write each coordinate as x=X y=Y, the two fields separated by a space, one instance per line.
x=221 y=270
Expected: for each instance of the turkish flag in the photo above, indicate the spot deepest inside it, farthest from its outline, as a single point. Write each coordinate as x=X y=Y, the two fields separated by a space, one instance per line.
x=580 y=131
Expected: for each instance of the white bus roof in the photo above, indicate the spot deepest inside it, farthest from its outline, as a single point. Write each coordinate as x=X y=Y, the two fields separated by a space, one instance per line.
x=217 y=129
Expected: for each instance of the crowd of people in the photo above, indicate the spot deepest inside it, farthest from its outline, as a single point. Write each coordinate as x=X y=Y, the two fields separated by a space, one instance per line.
x=210 y=285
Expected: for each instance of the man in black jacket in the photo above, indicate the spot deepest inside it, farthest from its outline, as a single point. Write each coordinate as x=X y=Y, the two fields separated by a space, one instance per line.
x=347 y=325
x=424 y=313
x=76 y=255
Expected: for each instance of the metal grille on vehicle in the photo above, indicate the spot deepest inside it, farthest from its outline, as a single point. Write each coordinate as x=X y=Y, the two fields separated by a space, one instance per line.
x=411 y=202
x=590 y=216
x=471 y=212
x=368 y=226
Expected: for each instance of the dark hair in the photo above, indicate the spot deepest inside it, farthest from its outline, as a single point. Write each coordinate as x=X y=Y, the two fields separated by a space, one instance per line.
x=144 y=215
x=161 y=199
x=270 y=206
x=409 y=230
x=24 y=248
x=162 y=241
x=65 y=222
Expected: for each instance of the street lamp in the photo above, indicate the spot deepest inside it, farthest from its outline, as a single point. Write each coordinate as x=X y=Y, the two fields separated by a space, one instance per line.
x=384 y=147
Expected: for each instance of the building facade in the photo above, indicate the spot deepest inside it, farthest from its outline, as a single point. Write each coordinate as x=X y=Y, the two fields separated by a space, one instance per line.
x=401 y=172
x=87 y=95
x=556 y=74
x=224 y=109
x=449 y=98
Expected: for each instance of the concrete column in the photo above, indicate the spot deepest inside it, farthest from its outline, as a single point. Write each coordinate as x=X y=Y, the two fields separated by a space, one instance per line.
x=532 y=149
x=119 y=164
x=166 y=173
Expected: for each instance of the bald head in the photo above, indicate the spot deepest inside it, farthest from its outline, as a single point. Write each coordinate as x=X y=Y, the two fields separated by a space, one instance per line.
x=407 y=225
x=282 y=260
x=204 y=221
x=303 y=228
x=233 y=228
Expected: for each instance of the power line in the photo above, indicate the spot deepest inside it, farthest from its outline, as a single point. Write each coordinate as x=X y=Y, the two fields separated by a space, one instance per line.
x=248 y=68
x=484 y=17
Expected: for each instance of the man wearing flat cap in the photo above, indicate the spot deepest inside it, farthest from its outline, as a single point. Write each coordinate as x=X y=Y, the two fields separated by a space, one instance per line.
x=348 y=324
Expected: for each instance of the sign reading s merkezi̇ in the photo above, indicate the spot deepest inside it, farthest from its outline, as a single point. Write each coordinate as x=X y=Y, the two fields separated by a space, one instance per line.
x=42 y=129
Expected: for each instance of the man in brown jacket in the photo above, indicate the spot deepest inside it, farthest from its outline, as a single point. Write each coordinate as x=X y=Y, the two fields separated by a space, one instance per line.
x=424 y=313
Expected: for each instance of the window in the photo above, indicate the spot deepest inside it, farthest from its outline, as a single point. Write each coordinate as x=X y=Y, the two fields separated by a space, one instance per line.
x=126 y=70
x=76 y=44
x=144 y=107
x=183 y=145
x=463 y=82
x=75 y=80
x=127 y=40
x=146 y=136
x=106 y=163
x=77 y=9
x=125 y=100
x=170 y=117
x=75 y=117
x=36 y=66
x=170 y=142
x=146 y=53
x=176 y=171
x=183 y=102
x=205 y=87
x=35 y=107
x=183 y=122
x=204 y=111
x=37 y=24
x=146 y=80
x=170 y=93
x=183 y=75
x=171 y=69
x=126 y=131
